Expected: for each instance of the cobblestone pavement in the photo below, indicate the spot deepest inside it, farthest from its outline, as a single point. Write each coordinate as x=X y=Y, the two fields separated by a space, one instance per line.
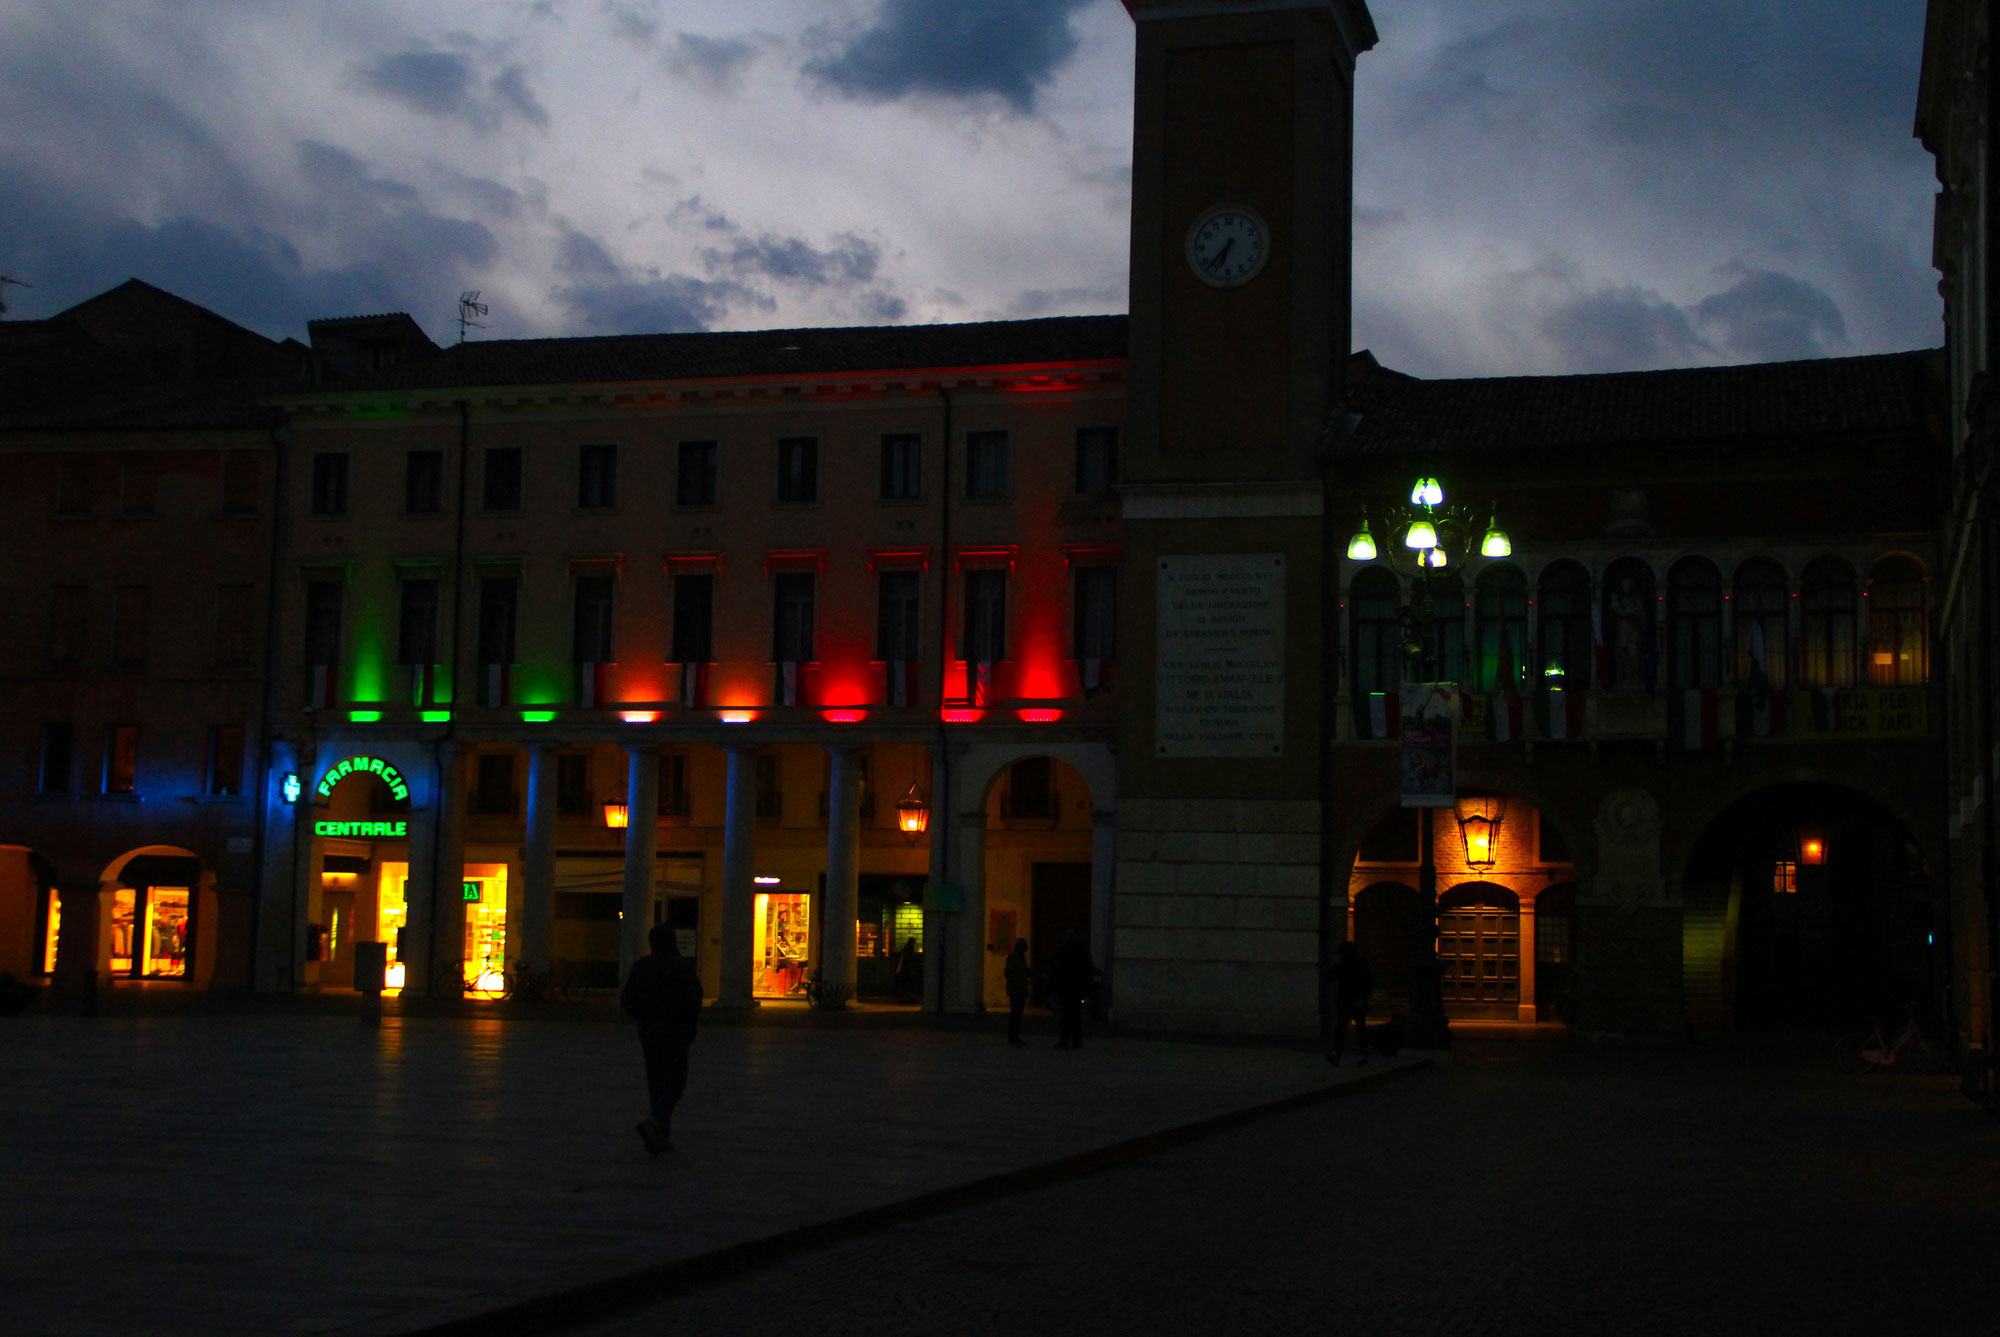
x=269 y=1169
x=1741 y=1185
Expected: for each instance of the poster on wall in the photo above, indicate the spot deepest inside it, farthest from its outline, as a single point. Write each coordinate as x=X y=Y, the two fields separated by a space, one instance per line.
x=1220 y=685
x=1431 y=711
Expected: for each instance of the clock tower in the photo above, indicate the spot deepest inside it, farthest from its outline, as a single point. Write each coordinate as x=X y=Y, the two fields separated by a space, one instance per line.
x=1241 y=202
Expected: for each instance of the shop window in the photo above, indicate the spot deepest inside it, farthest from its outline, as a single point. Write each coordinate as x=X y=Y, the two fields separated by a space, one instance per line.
x=986 y=473
x=1031 y=791
x=329 y=483
x=58 y=767
x=73 y=486
x=905 y=926
x=573 y=784
x=798 y=469
x=985 y=628
x=1760 y=615
x=897 y=634
x=1630 y=625
x=1096 y=459
x=1376 y=651
x=696 y=477
x=493 y=793
x=139 y=488
x=782 y=933
x=770 y=786
x=1694 y=624
x=597 y=477
x=694 y=618
x=225 y=760
x=131 y=625
x=902 y=466
x=502 y=487
x=1500 y=628
x=1827 y=640
x=673 y=795
x=1898 y=628
x=69 y=617
x=1394 y=839
x=242 y=474
x=234 y=620
x=1563 y=633
x=423 y=482
x=149 y=932
x=1094 y=637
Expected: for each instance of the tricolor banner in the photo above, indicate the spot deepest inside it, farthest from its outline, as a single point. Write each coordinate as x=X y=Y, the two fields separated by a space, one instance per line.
x=319 y=687
x=788 y=682
x=494 y=685
x=1378 y=715
x=1503 y=716
x=1091 y=670
x=1559 y=712
x=979 y=682
x=694 y=685
x=1691 y=718
x=901 y=682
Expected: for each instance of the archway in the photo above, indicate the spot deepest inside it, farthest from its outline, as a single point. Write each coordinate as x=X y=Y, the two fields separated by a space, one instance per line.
x=1479 y=946
x=1807 y=904
x=1039 y=848
x=1389 y=927
x=358 y=879
x=153 y=902
x=30 y=912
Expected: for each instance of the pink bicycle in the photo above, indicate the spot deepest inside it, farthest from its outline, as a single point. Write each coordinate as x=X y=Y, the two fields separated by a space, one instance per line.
x=1870 y=1051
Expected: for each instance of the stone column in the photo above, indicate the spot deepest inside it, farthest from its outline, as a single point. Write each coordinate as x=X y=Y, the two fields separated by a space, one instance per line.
x=940 y=840
x=530 y=940
x=843 y=867
x=738 y=869
x=443 y=938
x=642 y=839
x=1527 y=971
x=965 y=961
x=1103 y=886
x=77 y=970
x=280 y=934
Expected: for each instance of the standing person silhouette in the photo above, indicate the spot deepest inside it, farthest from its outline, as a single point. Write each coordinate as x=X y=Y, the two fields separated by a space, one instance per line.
x=1019 y=976
x=1352 y=983
x=663 y=994
x=1072 y=975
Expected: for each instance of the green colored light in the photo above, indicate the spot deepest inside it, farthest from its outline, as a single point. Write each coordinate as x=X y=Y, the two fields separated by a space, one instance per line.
x=436 y=717
x=468 y=891
x=382 y=830
x=398 y=788
x=364 y=716
x=538 y=716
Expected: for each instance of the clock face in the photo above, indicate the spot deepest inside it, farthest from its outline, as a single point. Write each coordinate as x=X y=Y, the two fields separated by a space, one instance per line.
x=1227 y=246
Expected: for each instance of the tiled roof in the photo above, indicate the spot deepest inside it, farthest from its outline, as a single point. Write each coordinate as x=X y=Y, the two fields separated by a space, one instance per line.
x=650 y=357
x=1879 y=393
x=174 y=405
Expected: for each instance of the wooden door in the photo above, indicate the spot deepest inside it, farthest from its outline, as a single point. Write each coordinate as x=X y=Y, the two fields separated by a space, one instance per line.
x=1479 y=945
x=1059 y=901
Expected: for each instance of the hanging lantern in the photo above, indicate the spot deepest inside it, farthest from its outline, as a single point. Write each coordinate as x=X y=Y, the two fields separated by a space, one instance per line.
x=1423 y=536
x=1479 y=825
x=1361 y=548
x=913 y=813
x=616 y=815
x=1433 y=558
x=1496 y=543
x=1427 y=492
x=1812 y=847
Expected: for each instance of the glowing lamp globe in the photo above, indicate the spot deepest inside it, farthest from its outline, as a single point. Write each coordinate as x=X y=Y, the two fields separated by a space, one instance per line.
x=1361 y=548
x=1423 y=536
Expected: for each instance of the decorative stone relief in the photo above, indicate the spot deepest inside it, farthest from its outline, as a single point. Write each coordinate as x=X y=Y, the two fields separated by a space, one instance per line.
x=1628 y=851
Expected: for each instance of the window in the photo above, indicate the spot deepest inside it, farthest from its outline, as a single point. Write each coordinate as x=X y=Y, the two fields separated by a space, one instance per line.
x=233 y=626
x=497 y=597
x=329 y=484
x=423 y=482
x=121 y=758
x=694 y=618
x=225 y=759
x=1759 y=615
x=1826 y=624
x=241 y=474
x=1500 y=628
x=1377 y=632
x=590 y=642
x=493 y=792
x=694 y=483
x=597 y=477
x=503 y=479
x=73 y=482
x=573 y=784
x=1898 y=630
x=792 y=618
x=985 y=638
x=902 y=467
x=323 y=600
x=896 y=628
x=798 y=468
x=69 y=625
x=1564 y=632
x=673 y=796
x=1096 y=631
x=1031 y=790
x=416 y=638
x=986 y=464
x=1096 y=459
x=1447 y=646
x=58 y=768
x=139 y=488
x=1630 y=628
x=770 y=786
x=1694 y=624
x=131 y=616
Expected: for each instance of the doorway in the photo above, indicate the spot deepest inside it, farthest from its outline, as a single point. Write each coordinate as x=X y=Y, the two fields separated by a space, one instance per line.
x=1059 y=901
x=1479 y=945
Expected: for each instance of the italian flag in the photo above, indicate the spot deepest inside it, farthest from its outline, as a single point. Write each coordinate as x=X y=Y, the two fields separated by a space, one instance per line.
x=1381 y=715
x=1503 y=716
x=1693 y=718
x=1562 y=713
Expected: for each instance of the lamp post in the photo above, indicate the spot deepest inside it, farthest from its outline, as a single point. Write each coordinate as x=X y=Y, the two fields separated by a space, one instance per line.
x=1421 y=538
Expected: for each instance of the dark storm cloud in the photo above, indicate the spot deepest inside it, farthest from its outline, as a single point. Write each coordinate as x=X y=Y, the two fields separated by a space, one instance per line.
x=955 y=49
x=1622 y=329
x=449 y=84
x=1771 y=317
x=716 y=62
x=610 y=298
x=848 y=270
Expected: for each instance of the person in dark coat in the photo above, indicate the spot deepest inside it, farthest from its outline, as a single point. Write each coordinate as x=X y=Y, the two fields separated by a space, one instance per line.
x=1073 y=976
x=907 y=966
x=663 y=994
x=1019 y=976
x=1352 y=983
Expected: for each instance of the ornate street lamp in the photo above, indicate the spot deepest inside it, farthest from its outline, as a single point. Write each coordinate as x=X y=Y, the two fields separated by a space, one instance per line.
x=1479 y=820
x=616 y=815
x=913 y=814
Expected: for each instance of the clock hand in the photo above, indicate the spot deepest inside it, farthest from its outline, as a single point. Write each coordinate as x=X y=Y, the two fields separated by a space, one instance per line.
x=1221 y=255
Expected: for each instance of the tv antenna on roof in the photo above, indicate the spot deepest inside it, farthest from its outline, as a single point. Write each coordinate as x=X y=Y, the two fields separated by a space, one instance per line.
x=469 y=308
x=6 y=279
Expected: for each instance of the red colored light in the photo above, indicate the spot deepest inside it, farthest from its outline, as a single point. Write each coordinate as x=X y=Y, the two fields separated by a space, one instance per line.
x=843 y=716
x=960 y=715
x=1040 y=715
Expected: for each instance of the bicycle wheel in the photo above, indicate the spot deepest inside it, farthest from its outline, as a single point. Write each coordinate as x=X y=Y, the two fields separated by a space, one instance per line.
x=1928 y=1055
x=1847 y=1053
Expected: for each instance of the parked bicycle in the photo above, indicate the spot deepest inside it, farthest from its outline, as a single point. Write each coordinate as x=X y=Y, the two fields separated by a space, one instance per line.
x=1871 y=1051
x=563 y=979
x=469 y=979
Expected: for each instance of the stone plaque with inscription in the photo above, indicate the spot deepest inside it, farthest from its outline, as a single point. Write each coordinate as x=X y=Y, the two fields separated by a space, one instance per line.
x=1221 y=647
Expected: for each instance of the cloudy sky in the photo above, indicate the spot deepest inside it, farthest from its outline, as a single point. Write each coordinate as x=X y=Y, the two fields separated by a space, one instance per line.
x=1542 y=185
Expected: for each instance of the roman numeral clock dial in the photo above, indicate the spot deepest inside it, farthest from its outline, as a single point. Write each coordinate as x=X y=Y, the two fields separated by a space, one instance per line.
x=1227 y=246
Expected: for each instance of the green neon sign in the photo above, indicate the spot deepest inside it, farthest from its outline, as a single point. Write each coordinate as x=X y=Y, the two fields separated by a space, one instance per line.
x=364 y=716
x=435 y=716
x=469 y=890
x=364 y=830
x=355 y=765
